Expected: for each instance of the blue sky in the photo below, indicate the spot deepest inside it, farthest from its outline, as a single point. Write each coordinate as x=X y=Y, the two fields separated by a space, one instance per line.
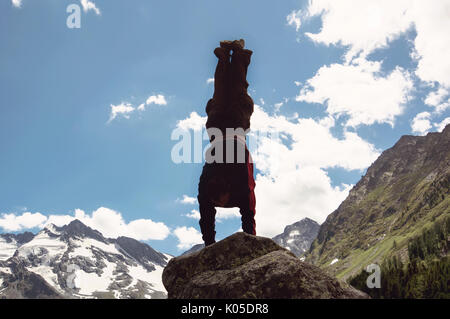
x=351 y=81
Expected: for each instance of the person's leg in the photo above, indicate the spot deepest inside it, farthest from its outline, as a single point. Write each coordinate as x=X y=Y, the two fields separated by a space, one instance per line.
x=222 y=75
x=206 y=208
x=247 y=202
x=207 y=221
x=240 y=61
x=247 y=210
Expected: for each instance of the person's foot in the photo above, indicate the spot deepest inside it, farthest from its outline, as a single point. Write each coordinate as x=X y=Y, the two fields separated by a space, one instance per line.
x=222 y=53
x=209 y=243
x=233 y=45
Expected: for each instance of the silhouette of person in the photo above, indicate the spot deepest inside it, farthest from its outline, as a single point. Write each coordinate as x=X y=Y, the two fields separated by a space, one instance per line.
x=228 y=180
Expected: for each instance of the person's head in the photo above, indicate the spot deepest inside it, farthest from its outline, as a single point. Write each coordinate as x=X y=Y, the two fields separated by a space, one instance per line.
x=219 y=191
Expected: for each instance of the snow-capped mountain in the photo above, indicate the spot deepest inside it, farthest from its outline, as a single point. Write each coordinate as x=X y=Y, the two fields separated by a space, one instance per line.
x=10 y=242
x=298 y=236
x=76 y=261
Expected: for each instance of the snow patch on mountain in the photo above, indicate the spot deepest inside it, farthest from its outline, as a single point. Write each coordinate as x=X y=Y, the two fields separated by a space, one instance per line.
x=77 y=261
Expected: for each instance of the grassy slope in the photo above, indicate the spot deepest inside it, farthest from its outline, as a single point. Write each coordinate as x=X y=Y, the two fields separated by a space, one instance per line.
x=374 y=232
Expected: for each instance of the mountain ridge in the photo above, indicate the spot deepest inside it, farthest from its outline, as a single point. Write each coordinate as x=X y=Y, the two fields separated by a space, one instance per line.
x=405 y=190
x=76 y=261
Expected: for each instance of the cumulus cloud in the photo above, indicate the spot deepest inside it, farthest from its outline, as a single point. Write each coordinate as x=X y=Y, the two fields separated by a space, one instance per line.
x=16 y=3
x=194 y=214
x=293 y=182
x=107 y=221
x=291 y=196
x=440 y=126
x=439 y=99
x=312 y=144
x=210 y=81
x=421 y=123
x=221 y=213
x=188 y=200
x=156 y=99
x=432 y=48
x=27 y=220
x=123 y=109
x=187 y=237
x=294 y=19
x=226 y=213
x=111 y=224
x=359 y=91
x=89 y=5
x=365 y=26
x=193 y=122
x=292 y=156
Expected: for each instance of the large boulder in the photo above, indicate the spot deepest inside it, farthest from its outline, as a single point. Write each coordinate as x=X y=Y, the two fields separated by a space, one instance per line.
x=246 y=266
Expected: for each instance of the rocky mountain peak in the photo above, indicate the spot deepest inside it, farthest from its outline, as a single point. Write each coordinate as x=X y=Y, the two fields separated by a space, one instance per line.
x=18 y=238
x=141 y=252
x=298 y=237
x=77 y=229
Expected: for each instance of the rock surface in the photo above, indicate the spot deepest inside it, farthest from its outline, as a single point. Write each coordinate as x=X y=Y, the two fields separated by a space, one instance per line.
x=246 y=266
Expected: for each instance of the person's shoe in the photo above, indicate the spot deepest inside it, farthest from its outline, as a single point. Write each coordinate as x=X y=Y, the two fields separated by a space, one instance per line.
x=239 y=43
x=209 y=243
x=222 y=53
x=232 y=45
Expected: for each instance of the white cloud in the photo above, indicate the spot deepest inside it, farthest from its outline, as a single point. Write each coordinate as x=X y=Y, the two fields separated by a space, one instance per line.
x=89 y=5
x=16 y=3
x=153 y=99
x=440 y=126
x=124 y=109
x=293 y=195
x=221 y=213
x=107 y=221
x=111 y=224
x=421 y=123
x=278 y=106
x=439 y=99
x=210 y=80
x=432 y=45
x=194 y=214
x=226 y=213
x=313 y=144
x=294 y=19
x=359 y=91
x=293 y=182
x=156 y=99
x=365 y=26
x=187 y=237
x=27 y=220
x=193 y=122
x=188 y=200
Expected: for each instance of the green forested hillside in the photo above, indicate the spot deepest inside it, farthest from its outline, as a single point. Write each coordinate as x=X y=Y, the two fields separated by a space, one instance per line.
x=388 y=215
x=425 y=275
